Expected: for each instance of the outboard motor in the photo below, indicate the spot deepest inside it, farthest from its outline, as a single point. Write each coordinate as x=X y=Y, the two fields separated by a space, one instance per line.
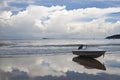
x=80 y=47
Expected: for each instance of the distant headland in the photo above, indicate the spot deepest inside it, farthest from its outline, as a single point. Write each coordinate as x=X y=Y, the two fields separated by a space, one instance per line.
x=117 y=36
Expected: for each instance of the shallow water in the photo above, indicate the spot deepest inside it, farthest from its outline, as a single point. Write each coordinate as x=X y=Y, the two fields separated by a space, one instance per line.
x=64 y=66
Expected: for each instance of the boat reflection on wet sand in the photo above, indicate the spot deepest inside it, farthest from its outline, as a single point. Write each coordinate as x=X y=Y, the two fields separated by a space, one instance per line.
x=89 y=63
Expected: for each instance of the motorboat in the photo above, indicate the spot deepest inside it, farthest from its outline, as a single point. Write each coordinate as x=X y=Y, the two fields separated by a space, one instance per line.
x=89 y=52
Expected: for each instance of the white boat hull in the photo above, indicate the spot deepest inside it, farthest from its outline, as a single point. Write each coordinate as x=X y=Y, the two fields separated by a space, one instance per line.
x=91 y=54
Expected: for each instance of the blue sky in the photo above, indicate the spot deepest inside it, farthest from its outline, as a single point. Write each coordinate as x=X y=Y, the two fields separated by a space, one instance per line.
x=70 y=4
x=73 y=16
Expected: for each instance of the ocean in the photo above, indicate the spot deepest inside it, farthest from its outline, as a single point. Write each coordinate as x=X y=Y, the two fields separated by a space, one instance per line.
x=52 y=59
x=54 y=46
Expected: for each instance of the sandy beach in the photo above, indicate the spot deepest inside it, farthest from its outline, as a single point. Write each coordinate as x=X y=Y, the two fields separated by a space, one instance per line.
x=64 y=66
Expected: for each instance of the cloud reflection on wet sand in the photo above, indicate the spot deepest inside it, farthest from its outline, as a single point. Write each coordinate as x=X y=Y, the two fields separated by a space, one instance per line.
x=58 y=66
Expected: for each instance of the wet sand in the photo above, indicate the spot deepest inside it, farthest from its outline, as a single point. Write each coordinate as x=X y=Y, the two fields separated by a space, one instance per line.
x=59 y=67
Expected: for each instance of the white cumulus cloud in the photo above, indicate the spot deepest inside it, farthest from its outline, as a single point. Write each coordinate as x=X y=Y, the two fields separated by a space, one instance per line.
x=39 y=21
